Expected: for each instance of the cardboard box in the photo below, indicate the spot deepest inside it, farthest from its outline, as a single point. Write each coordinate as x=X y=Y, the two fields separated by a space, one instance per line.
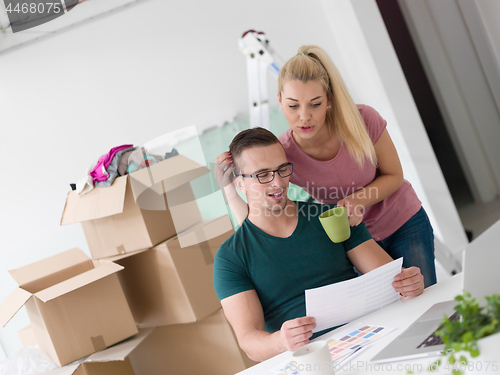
x=106 y=368
x=171 y=284
x=111 y=361
x=27 y=336
x=75 y=308
x=138 y=210
x=207 y=347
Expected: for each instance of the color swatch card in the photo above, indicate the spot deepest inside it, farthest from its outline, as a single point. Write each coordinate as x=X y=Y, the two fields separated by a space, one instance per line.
x=349 y=340
x=342 y=302
x=344 y=345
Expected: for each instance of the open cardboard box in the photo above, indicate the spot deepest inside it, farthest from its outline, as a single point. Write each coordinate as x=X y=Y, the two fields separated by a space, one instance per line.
x=27 y=336
x=111 y=361
x=75 y=308
x=207 y=347
x=138 y=210
x=122 y=367
x=172 y=284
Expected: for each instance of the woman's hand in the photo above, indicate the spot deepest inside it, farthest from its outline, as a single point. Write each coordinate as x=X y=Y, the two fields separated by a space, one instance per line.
x=354 y=210
x=223 y=170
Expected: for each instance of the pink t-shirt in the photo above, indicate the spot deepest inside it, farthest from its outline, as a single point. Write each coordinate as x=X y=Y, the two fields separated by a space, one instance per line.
x=332 y=180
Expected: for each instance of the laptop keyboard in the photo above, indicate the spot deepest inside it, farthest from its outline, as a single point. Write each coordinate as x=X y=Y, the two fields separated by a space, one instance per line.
x=433 y=340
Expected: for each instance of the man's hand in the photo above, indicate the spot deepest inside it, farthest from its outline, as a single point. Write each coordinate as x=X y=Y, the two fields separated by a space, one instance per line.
x=295 y=333
x=409 y=282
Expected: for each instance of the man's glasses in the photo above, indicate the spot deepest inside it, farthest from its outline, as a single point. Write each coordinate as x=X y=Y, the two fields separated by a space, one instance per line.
x=267 y=176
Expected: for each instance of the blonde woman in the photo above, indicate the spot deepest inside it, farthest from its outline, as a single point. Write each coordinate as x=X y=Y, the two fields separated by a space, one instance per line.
x=342 y=153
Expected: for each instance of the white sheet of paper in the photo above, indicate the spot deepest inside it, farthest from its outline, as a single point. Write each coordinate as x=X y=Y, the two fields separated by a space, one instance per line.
x=340 y=303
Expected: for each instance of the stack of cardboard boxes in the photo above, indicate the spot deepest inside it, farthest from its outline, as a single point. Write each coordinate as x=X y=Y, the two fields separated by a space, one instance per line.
x=151 y=268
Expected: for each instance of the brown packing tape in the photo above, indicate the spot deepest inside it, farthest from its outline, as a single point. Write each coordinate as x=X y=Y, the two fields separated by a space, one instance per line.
x=98 y=343
x=121 y=249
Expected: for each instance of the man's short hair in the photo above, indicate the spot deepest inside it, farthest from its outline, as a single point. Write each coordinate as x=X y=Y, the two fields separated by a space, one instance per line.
x=255 y=137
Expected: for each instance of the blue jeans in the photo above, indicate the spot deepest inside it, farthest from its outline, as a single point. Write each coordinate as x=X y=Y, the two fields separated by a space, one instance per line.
x=414 y=241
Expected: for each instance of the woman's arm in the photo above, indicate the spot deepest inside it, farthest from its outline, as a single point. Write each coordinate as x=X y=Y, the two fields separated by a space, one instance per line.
x=389 y=180
x=223 y=172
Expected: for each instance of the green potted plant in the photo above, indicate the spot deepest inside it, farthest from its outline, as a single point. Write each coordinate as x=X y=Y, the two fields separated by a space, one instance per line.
x=472 y=343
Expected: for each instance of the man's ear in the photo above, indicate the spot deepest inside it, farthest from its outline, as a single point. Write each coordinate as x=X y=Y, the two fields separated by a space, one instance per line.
x=238 y=182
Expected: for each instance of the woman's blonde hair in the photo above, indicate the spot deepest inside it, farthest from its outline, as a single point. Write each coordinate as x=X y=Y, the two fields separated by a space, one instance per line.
x=313 y=64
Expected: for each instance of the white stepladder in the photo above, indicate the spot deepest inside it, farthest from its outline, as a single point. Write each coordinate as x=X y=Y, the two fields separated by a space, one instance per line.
x=260 y=59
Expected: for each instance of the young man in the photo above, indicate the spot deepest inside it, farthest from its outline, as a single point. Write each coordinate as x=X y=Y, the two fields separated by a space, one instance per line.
x=281 y=249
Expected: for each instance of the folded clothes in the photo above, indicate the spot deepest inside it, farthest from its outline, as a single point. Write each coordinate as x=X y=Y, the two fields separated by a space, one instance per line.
x=117 y=162
x=123 y=165
x=148 y=160
x=85 y=183
x=99 y=172
x=139 y=159
x=112 y=170
x=171 y=153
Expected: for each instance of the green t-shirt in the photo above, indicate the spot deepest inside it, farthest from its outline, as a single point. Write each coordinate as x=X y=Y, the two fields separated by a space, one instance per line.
x=281 y=269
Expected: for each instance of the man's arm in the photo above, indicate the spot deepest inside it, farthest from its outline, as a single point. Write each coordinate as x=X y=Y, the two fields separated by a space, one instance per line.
x=369 y=255
x=244 y=313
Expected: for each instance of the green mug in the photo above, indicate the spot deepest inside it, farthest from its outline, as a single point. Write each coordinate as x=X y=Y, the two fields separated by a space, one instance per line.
x=336 y=224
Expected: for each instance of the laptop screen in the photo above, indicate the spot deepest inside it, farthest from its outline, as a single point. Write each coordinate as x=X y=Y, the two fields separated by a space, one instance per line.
x=481 y=258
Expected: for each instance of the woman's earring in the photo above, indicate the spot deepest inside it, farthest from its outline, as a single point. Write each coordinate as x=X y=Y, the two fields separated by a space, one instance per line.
x=329 y=107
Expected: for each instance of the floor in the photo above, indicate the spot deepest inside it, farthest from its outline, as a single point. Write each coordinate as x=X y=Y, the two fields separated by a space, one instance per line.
x=477 y=217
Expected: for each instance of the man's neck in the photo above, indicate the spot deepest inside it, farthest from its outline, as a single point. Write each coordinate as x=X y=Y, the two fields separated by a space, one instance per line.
x=279 y=224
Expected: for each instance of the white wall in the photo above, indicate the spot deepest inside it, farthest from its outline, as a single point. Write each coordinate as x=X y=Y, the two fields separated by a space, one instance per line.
x=452 y=43
x=482 y=20
x=490 y=13
x=130 y=77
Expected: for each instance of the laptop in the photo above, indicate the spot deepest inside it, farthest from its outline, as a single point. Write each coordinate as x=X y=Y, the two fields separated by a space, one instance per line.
x=480 y=277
